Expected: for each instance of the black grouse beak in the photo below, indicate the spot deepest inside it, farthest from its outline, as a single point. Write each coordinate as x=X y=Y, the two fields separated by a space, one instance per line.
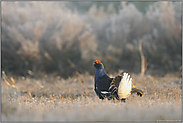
x=94 y=64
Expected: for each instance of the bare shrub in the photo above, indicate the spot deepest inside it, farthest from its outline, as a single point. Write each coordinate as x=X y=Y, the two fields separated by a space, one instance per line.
x=162 y=40
x=53 y=37
x=56 y=41
x=159 y=29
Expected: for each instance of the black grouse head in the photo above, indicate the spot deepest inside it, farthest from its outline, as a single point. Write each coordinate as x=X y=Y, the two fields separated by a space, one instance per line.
x=98 y=64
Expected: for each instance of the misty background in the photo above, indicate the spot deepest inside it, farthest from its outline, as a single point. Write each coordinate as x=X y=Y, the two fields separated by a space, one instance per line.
x=64 y=38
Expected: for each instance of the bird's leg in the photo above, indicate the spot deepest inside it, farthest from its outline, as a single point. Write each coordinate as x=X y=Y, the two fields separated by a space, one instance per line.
x=109 y=97
x=123 y=100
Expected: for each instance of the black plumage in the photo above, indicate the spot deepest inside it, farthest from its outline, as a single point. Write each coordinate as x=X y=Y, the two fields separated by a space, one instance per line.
x=110 y=85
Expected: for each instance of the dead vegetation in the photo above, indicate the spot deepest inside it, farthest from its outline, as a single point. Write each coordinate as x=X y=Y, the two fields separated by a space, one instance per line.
x=73 y=99
x=57 y=38
x=48 y=50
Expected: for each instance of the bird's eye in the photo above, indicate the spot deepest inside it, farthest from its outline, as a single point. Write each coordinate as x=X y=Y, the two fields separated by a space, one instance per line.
x=97 y=61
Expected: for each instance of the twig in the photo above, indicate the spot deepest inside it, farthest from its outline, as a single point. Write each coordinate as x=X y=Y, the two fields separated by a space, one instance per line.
x=143 y=60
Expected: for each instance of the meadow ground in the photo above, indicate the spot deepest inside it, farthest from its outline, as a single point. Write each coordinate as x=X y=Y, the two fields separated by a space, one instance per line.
x=74 y=99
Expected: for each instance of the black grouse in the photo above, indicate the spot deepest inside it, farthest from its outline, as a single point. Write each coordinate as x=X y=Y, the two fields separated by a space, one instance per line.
x=119 y=87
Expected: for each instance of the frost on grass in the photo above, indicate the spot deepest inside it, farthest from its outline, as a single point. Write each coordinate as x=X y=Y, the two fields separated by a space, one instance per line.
x=71 y=100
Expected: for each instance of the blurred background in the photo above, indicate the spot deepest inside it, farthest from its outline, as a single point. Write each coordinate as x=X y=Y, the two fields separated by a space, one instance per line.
x=64 y=38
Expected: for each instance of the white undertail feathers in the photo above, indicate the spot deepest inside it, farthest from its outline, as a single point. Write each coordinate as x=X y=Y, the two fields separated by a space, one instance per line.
x=125 y=86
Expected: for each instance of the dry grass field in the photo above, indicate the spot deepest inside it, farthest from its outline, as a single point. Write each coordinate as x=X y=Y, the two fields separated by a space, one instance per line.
x=73 y=99
x=65 y=37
